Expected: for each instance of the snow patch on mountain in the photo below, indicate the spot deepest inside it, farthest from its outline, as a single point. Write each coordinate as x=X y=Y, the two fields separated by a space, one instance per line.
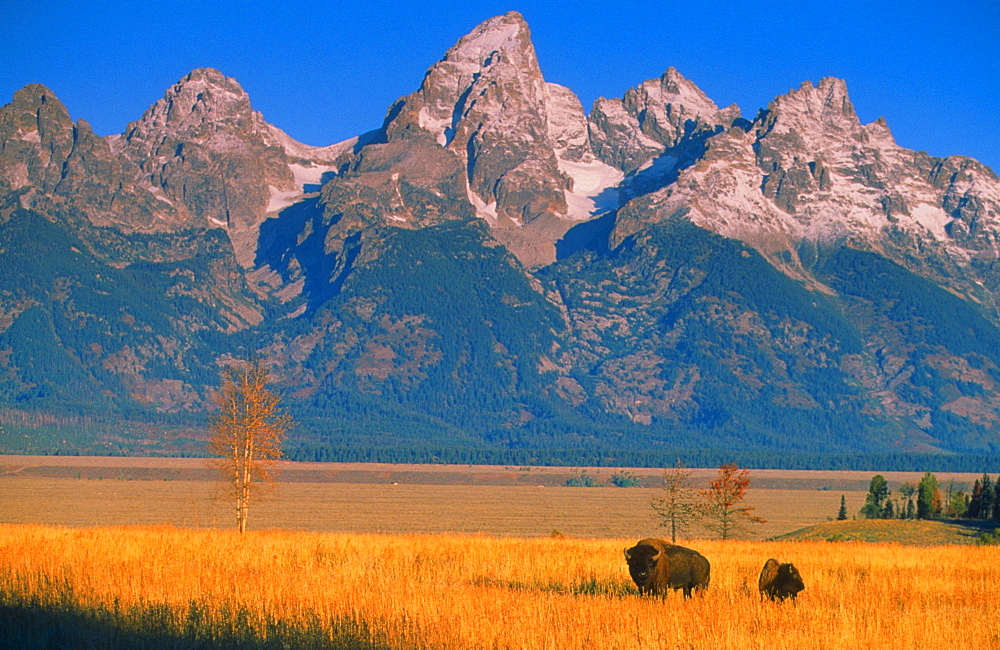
x=308 y=179
x=594 y=188
x=485 y=211
x=437 y=126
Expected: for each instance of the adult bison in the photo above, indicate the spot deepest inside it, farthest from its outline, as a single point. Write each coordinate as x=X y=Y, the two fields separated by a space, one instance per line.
x=656 y=565
x=779 y=581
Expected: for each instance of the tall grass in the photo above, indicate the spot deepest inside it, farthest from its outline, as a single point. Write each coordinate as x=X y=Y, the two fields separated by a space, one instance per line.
x=156 y=587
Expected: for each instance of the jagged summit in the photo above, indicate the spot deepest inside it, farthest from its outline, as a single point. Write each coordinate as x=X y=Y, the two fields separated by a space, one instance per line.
x=37 y=129
x=52 y=163
x=485 y=103
x=204 y=151
x=823 y=111
x=485 y=118
x=674 y=91
x=203 y=101
x=652 y=119
x=205 y=108
x=497 y=51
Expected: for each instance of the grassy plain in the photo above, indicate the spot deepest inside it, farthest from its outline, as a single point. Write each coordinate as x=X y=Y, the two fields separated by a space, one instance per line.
x=162 y=586
x=517 y=501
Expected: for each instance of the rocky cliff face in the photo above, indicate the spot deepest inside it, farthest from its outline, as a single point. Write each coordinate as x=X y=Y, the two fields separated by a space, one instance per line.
x=49 y=161
x=657 y=128
x=205 y=152
x=498 y=264
x=485 y=103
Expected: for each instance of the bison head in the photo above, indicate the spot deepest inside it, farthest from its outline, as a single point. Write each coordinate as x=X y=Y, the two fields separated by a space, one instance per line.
x=789 y=579
x=641 y=562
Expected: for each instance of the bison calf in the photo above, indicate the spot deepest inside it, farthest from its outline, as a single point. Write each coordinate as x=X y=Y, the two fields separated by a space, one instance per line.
x=779 y=581
x=656 y=566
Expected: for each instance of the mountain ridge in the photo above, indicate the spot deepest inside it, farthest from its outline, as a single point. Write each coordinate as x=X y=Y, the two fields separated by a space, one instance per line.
x=494 y=268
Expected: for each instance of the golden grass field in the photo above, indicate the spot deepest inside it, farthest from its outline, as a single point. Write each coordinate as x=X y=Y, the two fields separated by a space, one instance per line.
x=300 y=589
x=140 y=553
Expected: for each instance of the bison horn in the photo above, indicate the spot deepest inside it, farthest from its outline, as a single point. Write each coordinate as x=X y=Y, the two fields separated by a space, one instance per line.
x=628 y=554
x=655 y=555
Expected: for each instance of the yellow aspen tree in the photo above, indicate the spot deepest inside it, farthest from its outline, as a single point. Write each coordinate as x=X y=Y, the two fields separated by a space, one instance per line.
x=247 y=432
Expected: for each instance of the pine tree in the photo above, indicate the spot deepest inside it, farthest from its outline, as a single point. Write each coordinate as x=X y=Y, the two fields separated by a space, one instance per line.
x=989 y=498
x=842 y=513
x=907 y=490
x=975 y=508
x=928 y=497
x=878 y=494
x=996 y=499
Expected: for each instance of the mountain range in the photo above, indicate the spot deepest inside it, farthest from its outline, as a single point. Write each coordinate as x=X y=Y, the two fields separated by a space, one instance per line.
x=496 y=273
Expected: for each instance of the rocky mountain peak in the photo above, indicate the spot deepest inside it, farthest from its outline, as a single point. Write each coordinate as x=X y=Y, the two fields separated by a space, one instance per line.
x=204 y=107
x=507 y=35
x=485 y=103
x=498 y=51
x=34 y=108
x=672 y=89
x=53 y=163
x=36 y=137
x=656 y=116
x=483 y=136
x=812 y=110
x=203 y=150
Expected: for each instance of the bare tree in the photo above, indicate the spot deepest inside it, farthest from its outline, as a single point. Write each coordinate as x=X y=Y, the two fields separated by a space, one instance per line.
x=678 y=505
x=247 y=432
x=722 y=501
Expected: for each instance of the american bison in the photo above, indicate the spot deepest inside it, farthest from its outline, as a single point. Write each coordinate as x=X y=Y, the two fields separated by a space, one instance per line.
x=779 y=581
x=656 y=565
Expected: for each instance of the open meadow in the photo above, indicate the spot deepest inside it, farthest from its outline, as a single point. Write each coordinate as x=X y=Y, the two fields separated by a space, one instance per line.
x=141 y=553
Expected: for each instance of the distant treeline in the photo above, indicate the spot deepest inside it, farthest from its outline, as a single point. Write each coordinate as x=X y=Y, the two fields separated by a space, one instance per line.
x=898 y=462
x=179 y=436
x=965 y=463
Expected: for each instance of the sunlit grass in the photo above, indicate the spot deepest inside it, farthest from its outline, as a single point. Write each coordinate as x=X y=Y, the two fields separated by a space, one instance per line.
x=286 y=589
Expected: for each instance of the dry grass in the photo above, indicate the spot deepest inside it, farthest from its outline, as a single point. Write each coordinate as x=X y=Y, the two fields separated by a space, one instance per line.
x=526 y=502
x=371 y=507
x=461 y=591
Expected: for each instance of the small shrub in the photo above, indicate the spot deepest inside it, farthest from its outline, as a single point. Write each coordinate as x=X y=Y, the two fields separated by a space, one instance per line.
x=624 y=479
x=989 y=539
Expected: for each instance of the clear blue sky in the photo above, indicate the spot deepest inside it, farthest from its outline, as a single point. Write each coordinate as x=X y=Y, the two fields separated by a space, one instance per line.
x=325 y=71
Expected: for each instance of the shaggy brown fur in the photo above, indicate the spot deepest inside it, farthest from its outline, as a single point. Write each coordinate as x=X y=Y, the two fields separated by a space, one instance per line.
x=656 y=566
x=779 y=581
